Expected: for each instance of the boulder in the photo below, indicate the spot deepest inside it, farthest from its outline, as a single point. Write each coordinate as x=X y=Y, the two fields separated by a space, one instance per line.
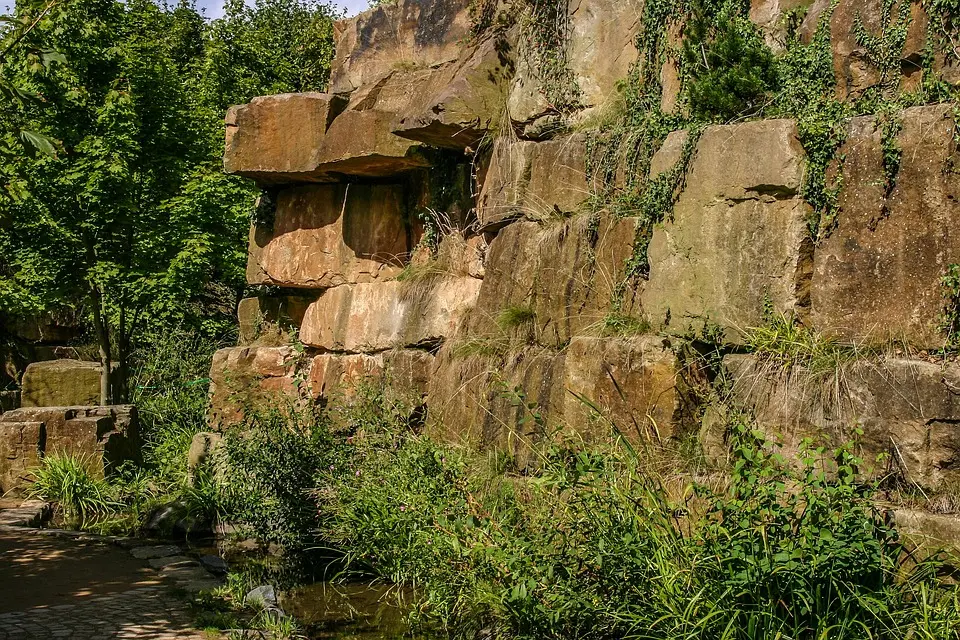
x=104 y=437
x=380 y=316
x=567 y=273
x=278 y=139
x=738 y=241
x=282 y=312
x=362 y=144
x=203 y=448
x=327 y=235
x=877 y=274
x=397 y=35
x=906 y=409
x=245 y=380
x=338 y=377
x=466 y=101
x=61 y=383
x=539 y=181
x=600 y=50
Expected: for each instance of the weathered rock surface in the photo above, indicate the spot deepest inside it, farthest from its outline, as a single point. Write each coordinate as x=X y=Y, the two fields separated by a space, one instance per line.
x=281 y=312
x=328 y=235
x=103 y=436
x=738 y=239
x=539 y=181
x=402 y=35
x=508 y=401
x=380 y=316
x=908 y=409
x=600 y=51
x=565 y=273
x=251 y=379
x=335 y=377
x=877 y=274
x=278 y=139
x=465 y=101
x=61 y=383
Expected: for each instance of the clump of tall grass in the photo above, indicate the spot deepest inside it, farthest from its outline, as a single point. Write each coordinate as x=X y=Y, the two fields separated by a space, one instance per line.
x=80 y=495
x=786 y=343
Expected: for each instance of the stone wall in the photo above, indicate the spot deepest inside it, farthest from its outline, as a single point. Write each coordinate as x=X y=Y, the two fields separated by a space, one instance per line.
x=431 y=221
x=103 y=437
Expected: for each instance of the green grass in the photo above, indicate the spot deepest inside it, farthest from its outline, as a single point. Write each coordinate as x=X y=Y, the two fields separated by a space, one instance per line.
x=514 y=316
x=786 y=343
x=70 y=483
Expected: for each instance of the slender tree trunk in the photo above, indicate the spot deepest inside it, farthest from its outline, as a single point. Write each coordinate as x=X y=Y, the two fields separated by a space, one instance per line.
x=103 y=340
x=122 y=394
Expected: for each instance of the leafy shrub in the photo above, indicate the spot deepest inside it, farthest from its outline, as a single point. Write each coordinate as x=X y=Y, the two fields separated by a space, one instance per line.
x=732 y=71
x=68 y=482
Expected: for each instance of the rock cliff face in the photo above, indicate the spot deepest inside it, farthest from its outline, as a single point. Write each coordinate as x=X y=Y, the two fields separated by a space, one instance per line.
x=438 y=221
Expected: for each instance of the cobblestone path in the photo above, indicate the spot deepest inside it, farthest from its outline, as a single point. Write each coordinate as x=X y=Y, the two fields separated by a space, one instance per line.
x=56 y=588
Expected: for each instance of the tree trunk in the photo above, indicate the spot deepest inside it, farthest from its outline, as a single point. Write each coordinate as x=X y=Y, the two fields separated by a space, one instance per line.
x=103 y=340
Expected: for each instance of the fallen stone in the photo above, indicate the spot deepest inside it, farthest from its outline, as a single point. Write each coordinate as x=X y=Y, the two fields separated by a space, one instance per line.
x=32 y=514
x=202 y=451
x=264 y=596
x=864 y=287
x=215 y=564
x=328 y=235
x=738 y=241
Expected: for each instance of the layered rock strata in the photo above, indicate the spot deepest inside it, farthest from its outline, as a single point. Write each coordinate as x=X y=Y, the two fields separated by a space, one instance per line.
x=436 y=222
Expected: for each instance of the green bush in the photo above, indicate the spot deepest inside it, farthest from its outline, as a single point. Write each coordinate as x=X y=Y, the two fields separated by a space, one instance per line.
x=731 y=70
x=68 y=482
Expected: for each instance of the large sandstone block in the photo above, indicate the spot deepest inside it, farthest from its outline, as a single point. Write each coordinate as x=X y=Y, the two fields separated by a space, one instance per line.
x=246 y=380
x=738 y=240
x=636 y=384
x=61 y=383
x=285 y=313
x=566 y=273
x=877 y=274
x=600 y=51
x=539 y=181
x=466 y=99
x=907 y=409
x=278 y=139
x=380 y=316
x=403 y=34
x=327 y=235
x=298 y=138
x=104 y=437
x=335 y=377
x=510 y=401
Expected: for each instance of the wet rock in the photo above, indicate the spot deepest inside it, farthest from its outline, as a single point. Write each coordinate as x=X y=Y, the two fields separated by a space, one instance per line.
x=877 y=273
x=171 y=561
x=177 y=518
x=215 y=565
x=738 y=239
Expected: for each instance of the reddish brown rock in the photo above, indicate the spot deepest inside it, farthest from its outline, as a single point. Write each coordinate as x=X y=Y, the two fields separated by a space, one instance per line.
x=336 y=377
x=401 y=35
x=465 y=101
x=327 y=235
x=362 y=143
x=538 y=181
x=738 y=239
x=907 y=410
x=278 y=139
x=279 y=313
x=103 y=437
x=380 y=316
x=247 y=380
x=877 y=274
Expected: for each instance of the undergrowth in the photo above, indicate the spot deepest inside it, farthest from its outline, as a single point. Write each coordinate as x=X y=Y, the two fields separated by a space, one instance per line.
x=599 y=542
